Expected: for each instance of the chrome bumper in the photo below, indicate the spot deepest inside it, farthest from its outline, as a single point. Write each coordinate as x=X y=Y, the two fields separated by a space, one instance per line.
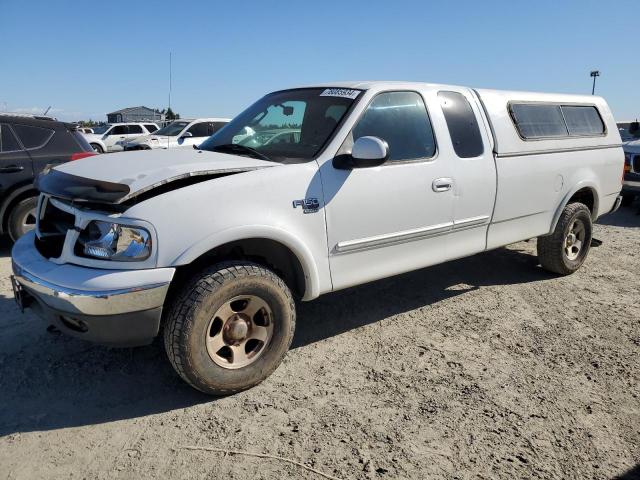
x=88 y=302
x=87 y=291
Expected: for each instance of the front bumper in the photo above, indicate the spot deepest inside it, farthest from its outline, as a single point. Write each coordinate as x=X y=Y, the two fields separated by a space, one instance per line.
x=115 y=307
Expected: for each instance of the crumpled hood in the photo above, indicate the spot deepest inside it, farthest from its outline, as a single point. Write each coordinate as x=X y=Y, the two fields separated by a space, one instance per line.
x=631 y=147
x=118 y=177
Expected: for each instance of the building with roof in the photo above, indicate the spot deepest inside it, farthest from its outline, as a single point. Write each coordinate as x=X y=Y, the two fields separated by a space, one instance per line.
x=135 y=114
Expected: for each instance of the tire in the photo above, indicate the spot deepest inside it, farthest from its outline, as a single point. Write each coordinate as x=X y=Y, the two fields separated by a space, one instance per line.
x=558 y=252
x=627 y=199
x=22 y=218
x=97 y=148
x=198 y=323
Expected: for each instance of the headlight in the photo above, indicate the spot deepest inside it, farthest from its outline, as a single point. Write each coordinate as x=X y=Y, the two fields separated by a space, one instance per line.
x=112 y=241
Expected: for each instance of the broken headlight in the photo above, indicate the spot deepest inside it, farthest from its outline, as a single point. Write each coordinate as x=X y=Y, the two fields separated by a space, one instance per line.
x=112 y=241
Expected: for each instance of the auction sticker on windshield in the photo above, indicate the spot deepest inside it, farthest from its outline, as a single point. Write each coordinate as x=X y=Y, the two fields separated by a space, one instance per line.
x=340 y=92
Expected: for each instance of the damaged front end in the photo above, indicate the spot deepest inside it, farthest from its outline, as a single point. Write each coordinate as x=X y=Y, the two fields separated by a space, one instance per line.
x=80 y=219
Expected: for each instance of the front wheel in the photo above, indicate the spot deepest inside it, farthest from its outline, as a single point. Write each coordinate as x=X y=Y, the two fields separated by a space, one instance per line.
x=22 y=218
x=230 y=327
x=97 y=148
x=565 y=250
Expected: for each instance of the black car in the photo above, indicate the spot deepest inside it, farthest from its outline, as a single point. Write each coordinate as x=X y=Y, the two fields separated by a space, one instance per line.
x=27 y=145
x=630 y=134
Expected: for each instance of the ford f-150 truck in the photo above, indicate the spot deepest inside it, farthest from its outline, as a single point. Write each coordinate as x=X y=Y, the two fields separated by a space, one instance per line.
x=213 y=246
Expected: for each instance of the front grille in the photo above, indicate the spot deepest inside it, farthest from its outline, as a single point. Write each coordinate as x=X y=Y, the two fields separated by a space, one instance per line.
x=52 y=228
x=635 y=165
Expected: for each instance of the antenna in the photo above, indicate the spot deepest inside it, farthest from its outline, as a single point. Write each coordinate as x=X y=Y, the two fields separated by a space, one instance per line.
x=47 y=110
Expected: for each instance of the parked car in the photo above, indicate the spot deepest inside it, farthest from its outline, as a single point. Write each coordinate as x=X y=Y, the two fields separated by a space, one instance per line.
x=85 y=130
x=113 y=136
x=630 y=133
x=212 y=246
x=267 y=137
x=179 y=134
x=27 y=146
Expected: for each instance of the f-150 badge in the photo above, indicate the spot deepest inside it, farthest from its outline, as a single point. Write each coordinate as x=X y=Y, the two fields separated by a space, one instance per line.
x=309 y=205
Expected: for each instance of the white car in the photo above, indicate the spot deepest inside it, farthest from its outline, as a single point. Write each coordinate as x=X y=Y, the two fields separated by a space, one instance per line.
x=179 y=134
x=111 y=137
x=213 y=246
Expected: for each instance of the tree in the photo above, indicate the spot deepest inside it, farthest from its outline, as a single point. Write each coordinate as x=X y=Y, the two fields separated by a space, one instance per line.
x=170 y=115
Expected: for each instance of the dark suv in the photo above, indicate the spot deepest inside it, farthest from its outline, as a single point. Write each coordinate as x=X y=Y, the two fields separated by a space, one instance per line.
x=630 y=133
x=27 y=145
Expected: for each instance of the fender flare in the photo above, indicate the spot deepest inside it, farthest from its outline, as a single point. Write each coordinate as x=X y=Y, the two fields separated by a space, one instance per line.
x=591 y=185
x=287 y=239
x=10 y=198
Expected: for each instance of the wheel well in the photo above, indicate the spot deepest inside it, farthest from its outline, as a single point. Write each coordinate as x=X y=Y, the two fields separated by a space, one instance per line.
x=263 y=251
x=585 y=196
x=6 y=211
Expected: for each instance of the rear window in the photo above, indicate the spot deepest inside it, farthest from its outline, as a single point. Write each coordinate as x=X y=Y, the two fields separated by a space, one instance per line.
x=81 y=140
x=583 y=120
x=151 y=128
x=556 y=121
x=8 y=142
x=33 y=137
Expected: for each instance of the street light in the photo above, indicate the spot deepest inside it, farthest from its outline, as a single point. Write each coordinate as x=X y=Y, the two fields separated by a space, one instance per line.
x=594 y=74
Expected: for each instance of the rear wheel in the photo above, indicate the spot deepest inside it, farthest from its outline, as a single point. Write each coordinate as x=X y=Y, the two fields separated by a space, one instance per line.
x=97 y=148
x=230 y=327
x=565 y=250
x=22 y=218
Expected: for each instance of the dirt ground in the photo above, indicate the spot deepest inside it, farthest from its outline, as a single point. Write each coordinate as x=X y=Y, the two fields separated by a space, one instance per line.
x=486 y=367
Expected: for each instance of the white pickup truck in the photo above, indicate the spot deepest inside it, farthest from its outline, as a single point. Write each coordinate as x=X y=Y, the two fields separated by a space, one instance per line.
x=212 y=246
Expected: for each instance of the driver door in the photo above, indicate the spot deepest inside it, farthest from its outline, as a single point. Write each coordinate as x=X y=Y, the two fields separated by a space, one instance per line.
x=116 y=134
x=390 y=219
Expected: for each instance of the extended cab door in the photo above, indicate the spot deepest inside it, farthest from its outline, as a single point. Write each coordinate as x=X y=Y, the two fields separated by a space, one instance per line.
x=467 y=147
x=393 y=218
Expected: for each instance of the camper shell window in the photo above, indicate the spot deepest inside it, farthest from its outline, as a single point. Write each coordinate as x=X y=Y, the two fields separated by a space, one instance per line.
x=545 y=120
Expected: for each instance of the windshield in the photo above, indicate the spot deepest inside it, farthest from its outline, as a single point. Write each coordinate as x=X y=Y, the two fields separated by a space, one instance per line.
x=101 y=129
x=287 y=126
x=171 y=130
x=629 y=131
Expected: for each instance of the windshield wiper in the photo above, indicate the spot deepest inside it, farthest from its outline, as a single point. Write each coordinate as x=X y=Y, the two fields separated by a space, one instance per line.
x=239 y=149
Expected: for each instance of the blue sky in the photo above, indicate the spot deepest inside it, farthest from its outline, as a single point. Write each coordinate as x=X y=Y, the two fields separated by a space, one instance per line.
x=89 y=58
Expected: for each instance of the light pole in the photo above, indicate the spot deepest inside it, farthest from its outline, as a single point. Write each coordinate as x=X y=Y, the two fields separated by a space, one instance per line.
x=594 y=74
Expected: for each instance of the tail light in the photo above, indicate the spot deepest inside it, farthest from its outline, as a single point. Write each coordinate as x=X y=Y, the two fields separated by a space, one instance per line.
x=78 y=156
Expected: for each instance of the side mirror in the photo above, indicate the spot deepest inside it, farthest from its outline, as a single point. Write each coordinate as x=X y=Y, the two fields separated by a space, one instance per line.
x=366 y=152
x=186 y=135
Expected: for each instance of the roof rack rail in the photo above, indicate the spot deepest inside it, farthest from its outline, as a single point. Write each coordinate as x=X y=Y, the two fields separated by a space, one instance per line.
x=27 y=115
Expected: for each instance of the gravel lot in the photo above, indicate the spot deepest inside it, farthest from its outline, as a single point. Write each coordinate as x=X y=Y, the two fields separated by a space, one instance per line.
x=485 y=367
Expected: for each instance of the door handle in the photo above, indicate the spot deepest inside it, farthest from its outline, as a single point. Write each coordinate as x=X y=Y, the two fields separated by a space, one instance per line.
x=442 y=184
x=11 y=169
